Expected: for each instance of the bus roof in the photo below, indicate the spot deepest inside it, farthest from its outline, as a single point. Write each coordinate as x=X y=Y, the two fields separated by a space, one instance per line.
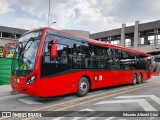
x=92 y=41
x=100 y=42
x=11 y=44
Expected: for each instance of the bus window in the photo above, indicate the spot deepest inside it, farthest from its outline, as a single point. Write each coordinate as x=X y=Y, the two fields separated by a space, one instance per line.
x=1 y=52
x=100 y=57
x=82 y=56
x=62 y=62
x=10 y=51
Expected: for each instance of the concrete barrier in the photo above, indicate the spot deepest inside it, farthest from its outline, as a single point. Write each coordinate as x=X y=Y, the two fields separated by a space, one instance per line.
x=5 y=70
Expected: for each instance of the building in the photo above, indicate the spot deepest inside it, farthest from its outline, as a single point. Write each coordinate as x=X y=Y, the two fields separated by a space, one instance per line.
x=143 y=37
x=8 y=34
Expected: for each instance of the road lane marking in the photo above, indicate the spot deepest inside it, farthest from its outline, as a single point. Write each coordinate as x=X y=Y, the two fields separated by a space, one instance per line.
x=91 y=118
x=64 y=108
x=29 y=101
x=12 y=96
x=75 y=105
x=78 y=99
x=153 y=97
x=122 y=119
x=97 y=92
x=110 y=118
x=86 y=97
x=143 y=103
x=75 y=113
x=58 y=118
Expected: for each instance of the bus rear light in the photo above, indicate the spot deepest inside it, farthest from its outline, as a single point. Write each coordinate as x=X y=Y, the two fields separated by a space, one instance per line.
x=31 y=79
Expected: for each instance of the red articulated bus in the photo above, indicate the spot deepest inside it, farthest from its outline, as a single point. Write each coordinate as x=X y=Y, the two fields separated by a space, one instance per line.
x=49 y=62
x=9 y=49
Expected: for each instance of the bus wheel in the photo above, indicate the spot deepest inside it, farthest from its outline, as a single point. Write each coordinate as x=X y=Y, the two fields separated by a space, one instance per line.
x=83 y=87
x=134 y=79
x=140 y=79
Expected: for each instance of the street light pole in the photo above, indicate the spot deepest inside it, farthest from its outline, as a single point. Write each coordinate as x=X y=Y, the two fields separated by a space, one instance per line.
x=52 y=23
x=48 y=13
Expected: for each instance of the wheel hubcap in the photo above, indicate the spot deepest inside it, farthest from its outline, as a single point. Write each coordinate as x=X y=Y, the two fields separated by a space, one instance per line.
x=135 y=80
x=140 y=79
x=83 y=87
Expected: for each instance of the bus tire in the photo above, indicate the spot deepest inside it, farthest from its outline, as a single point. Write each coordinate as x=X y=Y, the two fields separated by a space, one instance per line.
x=140 y=79
x=134 y=79
x=83 y=87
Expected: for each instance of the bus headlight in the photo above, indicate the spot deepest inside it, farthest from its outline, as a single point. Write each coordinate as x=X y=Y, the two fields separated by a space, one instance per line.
x=31 y=79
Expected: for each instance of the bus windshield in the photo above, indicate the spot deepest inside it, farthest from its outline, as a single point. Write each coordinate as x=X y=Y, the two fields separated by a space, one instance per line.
x=10 y=51
x=25 y=55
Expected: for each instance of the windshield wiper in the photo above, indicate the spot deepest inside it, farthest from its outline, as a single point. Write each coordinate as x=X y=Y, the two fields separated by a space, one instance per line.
x=20 y=49
x=23 y=50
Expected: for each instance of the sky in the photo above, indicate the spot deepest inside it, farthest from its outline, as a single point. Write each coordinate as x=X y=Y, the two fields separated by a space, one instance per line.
x=88 y=15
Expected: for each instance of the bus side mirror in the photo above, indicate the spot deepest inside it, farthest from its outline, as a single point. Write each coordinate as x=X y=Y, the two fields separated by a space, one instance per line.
x=54 y=52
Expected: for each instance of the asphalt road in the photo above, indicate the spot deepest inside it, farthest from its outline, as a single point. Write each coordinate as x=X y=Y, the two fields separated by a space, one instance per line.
x=106 y=103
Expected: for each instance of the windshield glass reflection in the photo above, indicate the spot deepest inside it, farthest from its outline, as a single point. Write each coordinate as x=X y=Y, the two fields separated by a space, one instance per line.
x=25 y=56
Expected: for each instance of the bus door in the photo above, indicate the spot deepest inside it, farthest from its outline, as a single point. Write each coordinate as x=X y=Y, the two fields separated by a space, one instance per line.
x=117 y=74
x=58 y=67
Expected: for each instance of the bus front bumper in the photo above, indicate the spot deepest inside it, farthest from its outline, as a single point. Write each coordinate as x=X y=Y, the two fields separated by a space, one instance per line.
x=25 y=89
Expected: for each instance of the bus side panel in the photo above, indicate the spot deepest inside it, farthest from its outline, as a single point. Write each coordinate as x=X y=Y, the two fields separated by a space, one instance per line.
x=111 y=78
x=68 y=83
x=56 y=85
x=146 y=75
x=62 y=84
x=128 y=75
x=102 y=79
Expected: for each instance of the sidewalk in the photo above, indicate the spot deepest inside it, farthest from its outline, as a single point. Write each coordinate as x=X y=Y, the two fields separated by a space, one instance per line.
x=6 y=90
